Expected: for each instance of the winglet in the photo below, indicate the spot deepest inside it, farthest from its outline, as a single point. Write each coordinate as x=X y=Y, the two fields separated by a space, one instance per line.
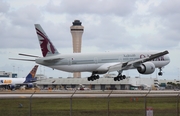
x=46 y=45
x=31 y=76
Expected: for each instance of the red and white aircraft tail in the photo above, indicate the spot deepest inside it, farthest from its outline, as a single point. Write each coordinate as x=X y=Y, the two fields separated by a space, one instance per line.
x=46 y=45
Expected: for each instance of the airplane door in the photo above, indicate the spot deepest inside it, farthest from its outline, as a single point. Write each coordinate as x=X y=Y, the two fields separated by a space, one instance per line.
x=69 y=61
x=95 y=60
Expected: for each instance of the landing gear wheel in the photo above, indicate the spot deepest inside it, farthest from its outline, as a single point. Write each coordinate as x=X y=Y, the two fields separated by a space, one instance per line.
x=119 y=77
x=124 y=76
x=93 y=77
x=97 y=77
x=160 y=73
x=89 y=78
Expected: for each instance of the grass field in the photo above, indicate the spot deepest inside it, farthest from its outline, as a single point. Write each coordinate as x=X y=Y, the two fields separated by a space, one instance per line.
x=162 y=106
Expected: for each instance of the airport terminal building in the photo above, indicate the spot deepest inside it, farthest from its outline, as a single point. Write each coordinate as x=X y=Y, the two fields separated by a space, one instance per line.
x=103 y=83
x=100 y=84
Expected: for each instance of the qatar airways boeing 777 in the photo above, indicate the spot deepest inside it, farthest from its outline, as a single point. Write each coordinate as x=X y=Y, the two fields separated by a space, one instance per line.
x=97 y=63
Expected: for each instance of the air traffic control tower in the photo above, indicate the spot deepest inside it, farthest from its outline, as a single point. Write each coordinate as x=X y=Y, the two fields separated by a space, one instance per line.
x=76 y=31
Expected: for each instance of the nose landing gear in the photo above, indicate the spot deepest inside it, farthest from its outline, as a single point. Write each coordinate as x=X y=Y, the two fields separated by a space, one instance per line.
x=160 y=72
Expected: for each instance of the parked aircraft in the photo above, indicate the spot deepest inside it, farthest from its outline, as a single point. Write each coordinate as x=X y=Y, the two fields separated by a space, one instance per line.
x=97 y=63
x=12 y=83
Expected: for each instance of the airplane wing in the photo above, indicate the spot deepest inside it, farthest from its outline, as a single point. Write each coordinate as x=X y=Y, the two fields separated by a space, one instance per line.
x=124 y=65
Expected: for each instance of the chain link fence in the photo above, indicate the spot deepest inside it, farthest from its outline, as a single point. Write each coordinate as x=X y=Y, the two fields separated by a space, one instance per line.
x=113 y=103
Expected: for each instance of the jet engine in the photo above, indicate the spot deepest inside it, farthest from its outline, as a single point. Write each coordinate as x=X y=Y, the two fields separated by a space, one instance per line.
x=146 y=68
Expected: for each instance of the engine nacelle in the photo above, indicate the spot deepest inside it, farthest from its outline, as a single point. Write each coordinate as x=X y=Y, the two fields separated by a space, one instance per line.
x=30 y=85
x=146 y=68
x=12 y=86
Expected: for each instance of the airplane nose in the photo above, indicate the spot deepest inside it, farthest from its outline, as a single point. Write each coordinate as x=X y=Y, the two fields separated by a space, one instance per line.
x=167 y=59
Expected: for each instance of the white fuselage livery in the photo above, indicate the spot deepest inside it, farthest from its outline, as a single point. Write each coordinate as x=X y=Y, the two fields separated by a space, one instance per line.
x=100 y=62
x=13 y=81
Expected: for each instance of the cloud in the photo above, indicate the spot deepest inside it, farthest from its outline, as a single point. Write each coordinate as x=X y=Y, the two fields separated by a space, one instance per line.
x=169 y=13
x=25 y=16
x=118 y=25
x=166 y=14
x=4 y=7
x=166 y=8
x=100 y=7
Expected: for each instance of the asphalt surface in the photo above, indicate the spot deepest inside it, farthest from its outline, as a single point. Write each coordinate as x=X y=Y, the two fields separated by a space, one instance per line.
x=86 y=94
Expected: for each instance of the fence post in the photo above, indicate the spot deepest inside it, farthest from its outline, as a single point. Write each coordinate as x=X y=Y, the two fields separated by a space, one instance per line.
x=30 y=113
x=145 y=102
x=108 y=102
x=178 y=104
x=71 y=102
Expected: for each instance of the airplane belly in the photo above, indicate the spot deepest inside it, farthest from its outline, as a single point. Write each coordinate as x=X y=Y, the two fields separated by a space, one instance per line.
x=77 y=68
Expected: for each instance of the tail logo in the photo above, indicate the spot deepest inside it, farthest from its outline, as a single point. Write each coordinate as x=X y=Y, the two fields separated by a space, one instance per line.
x=33 y=71
x=46 y=45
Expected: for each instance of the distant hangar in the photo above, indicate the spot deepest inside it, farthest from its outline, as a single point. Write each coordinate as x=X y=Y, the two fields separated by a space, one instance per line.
x=100 y=84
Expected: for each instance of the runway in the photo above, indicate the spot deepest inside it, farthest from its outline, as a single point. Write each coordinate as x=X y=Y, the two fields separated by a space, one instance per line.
x=86 y=94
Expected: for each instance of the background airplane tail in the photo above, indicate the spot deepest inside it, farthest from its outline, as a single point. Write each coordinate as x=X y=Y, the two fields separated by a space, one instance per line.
x=46 y=45
x=31 y=76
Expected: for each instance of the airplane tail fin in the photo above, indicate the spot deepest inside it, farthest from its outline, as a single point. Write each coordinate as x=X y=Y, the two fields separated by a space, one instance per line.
x=31 y=76
x=46 y=45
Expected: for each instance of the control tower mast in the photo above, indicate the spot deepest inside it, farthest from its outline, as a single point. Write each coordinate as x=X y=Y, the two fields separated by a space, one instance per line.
x=77 y=31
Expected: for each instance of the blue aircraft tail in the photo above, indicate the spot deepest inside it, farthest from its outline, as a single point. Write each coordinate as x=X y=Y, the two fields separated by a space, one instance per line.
x=31 y=76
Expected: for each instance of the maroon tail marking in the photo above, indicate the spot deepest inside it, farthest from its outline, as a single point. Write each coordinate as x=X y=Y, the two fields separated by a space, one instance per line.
x=44 y=43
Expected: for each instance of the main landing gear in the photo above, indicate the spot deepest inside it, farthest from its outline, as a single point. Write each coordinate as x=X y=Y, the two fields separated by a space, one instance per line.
x=160 y=72
x=93 y=77
x=119 y=77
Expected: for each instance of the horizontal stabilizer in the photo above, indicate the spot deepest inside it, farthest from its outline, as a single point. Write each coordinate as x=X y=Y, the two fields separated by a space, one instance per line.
x=21 y=59
x=28 y=55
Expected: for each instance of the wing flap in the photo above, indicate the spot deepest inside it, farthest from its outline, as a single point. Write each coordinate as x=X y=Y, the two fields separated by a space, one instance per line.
x=115 y=67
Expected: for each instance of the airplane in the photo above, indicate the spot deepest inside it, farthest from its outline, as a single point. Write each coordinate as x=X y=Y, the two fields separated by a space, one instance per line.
x=12 y=83
x=97 y=63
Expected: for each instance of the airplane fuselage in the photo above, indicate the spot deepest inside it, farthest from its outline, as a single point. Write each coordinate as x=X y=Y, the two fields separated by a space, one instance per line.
x=81 y=62
x=12 y=80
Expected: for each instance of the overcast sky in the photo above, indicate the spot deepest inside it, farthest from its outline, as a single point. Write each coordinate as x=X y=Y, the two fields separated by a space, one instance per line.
x=118 y=25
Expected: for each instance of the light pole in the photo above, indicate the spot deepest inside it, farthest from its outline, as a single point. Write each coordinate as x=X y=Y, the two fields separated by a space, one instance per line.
x=13 y=68
x=178 y=74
